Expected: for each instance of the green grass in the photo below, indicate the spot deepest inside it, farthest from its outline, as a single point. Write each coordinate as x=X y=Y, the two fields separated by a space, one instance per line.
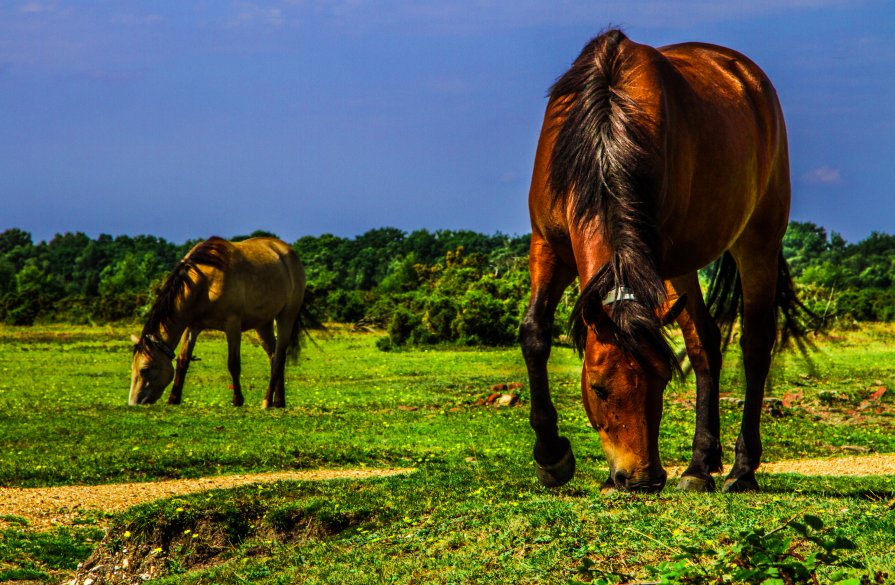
x=473 y=511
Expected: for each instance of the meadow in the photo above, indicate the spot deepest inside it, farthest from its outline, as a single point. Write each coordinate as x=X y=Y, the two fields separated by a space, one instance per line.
x=471 y=511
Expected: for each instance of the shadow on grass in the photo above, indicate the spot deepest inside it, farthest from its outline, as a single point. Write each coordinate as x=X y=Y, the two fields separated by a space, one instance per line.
x=869 y=487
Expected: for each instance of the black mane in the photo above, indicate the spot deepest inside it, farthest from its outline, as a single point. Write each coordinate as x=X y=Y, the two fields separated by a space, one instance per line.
x=603 y=162
x=211 y=252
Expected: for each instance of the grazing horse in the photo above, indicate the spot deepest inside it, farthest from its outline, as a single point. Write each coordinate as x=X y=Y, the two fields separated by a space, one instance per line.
x=651 y=164
x=230 y=287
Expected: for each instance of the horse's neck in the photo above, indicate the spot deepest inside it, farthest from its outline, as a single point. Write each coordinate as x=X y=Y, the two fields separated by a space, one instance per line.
x=176 y=324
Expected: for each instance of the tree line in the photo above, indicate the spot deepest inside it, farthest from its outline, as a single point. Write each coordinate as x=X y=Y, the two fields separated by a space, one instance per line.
x=421 y=286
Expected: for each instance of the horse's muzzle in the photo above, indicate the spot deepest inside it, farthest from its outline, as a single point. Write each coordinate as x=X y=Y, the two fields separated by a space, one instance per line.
x=144 y=397
x=624 y=481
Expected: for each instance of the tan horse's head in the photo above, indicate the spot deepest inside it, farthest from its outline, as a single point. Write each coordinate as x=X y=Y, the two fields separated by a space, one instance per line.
x=622 y=395
x=151 y=371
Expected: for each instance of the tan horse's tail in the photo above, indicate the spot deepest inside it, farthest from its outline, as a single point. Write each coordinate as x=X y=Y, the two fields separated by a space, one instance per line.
x=724 y=299
x=304 y=322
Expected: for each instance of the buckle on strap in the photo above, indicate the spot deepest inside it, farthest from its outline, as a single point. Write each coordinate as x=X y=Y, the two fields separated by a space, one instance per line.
x=621 y=293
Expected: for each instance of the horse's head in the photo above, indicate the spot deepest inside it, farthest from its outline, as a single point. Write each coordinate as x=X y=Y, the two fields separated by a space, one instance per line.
x=622 y=393
x=151 y=371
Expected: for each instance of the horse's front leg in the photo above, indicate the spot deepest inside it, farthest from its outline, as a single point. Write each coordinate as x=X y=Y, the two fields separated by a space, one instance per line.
x=703 y=340
x=234 y=338
x=187 y=343
x=554 y=461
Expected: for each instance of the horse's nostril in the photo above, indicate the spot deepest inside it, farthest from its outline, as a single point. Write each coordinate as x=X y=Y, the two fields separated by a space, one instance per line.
x=621 y=479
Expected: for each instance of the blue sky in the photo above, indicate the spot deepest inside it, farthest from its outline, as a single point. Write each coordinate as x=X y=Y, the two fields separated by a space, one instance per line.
x=186 y=118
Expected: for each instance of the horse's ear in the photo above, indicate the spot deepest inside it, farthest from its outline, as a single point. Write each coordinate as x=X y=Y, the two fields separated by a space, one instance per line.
x=135 y=339
x=675 y=310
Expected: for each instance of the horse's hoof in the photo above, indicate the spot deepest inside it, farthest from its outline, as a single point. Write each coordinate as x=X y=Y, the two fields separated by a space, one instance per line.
x=737 y=485
x=693 y=483
x=558 y=473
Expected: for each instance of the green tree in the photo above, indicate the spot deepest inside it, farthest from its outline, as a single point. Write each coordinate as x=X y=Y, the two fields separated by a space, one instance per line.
x=36 y=292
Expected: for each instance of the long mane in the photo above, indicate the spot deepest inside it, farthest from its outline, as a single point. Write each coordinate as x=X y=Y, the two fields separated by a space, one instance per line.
x=602 y=167
x=212 y=252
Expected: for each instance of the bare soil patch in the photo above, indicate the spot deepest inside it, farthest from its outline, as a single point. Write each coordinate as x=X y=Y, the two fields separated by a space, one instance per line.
x=857 y=465
x=45 y=508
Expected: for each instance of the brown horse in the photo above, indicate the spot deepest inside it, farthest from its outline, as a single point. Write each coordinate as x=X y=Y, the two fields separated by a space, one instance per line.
x=651 y=164
x=230 y=287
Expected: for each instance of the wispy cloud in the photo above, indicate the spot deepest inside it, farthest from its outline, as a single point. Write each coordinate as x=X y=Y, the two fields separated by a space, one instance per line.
x=447 y=85
x=36 y=7
x=823 y=176
x=509 y=177
x=471 y=16
x=138 y=19
x=250 y=13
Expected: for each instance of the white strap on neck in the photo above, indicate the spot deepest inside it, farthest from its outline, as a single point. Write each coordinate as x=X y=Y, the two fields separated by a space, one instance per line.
x=621 y=293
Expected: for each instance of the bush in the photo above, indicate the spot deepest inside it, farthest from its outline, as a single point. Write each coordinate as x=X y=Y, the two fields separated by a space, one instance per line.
x=463 y=299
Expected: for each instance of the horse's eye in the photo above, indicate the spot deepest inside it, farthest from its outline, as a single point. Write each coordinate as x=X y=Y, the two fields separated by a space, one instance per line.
x=145 y=371
x=601 y=391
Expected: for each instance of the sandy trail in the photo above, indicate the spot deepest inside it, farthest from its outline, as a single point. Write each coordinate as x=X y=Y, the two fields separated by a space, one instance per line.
x=883 y=464
x=45 y=508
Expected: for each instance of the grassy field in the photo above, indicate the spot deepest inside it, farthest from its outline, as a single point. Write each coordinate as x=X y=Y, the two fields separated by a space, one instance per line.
x=472 y=512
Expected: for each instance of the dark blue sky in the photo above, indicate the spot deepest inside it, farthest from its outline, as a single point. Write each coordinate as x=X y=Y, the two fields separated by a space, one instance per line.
x=190 y=118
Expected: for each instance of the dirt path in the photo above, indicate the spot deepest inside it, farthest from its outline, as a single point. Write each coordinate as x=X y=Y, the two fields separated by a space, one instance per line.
x=883 y=464
x=45 y=508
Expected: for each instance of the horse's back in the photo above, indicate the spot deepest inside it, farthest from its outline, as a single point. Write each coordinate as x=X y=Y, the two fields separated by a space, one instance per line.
x=262 y=278
x=736 y=88
x=729 y=157
x=272 y=261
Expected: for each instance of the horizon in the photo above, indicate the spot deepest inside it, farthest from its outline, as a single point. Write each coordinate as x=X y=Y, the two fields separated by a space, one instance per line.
x=252 y=233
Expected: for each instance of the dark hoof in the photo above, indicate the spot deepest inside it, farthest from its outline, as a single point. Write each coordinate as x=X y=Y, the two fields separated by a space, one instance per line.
x=558 y=473
x=238 y=401
x=174 y=401
x=694 y=483
x=736 y=485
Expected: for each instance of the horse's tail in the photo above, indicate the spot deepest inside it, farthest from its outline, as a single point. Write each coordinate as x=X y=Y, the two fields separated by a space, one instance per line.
x=725 y=303
x=304 y=322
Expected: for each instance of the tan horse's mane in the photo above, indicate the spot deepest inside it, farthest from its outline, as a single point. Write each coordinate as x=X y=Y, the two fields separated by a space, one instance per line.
x=212 y=252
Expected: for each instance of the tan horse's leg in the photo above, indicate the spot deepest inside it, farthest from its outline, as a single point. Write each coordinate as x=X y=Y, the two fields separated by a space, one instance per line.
x=554 y=462
x=234 y=338
x=187 y=343
x=703 y=340
x=268 y=339
x=269 y=343
x=276 y=390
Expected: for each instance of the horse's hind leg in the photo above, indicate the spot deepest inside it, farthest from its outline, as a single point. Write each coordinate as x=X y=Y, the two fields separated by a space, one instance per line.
x=234 y=338
x=269 y=343
x=554 y=462
x=268 y=339
x=759 y=280
x=276 y=390
x=703 y=340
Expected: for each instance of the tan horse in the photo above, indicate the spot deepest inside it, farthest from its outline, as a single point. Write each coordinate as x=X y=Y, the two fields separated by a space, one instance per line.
x=224 y=286
x=651 y=164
